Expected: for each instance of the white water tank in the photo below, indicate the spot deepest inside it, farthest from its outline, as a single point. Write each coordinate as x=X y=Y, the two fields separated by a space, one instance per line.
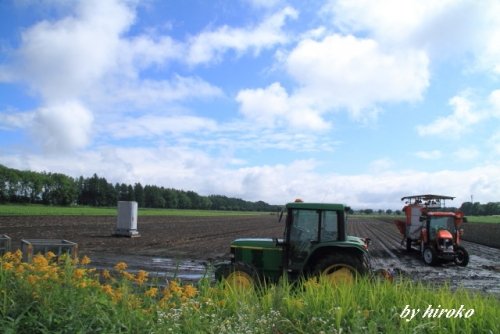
x=127 y=219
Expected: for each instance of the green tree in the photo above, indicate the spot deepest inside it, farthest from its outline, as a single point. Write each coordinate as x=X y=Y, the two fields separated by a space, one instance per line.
x=139 y=194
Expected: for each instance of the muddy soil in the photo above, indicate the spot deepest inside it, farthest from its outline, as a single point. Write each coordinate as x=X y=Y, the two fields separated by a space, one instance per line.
x=185 y=247
x=387 y=252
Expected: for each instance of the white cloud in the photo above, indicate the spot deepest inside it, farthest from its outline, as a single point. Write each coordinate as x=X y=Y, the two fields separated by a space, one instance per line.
x=466 y=153
x=272 y=107
x=387 y=19
x=147 y=92
x=266 y=105
x=429 y=155
x=63 y=58
x=444 y=29
x=153 y=126
x=63 y=127
x=12 y=119
x=453 y=126
x=209 y=46
x=494 y=142
x=143 y=51
x=356 y=73
x=380 y=165
x=494 y=100
x=337 y=72
x=264 y=3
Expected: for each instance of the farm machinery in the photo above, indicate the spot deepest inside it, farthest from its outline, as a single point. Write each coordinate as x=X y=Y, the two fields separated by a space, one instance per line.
x=315 y=243
x=434 y=229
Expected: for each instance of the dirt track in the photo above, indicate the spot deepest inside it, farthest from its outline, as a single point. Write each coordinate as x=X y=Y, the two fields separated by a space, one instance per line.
x=183 y=246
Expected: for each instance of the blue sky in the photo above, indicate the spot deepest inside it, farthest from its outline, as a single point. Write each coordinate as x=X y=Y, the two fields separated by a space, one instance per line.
x=359 y=102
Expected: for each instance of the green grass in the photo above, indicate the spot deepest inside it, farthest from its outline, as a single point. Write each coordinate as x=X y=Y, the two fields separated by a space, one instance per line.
x=484 y=219
x=43 y=210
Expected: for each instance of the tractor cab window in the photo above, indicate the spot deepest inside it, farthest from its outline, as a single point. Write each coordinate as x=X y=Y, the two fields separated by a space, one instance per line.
x=329 y=226
x=440 y=223
x=303 y=230
x=305 y=225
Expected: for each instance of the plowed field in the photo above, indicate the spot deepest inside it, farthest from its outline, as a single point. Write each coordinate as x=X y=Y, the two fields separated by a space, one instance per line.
x=183 y=246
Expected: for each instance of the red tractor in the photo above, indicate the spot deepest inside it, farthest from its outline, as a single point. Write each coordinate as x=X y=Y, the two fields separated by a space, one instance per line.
x=434 y=229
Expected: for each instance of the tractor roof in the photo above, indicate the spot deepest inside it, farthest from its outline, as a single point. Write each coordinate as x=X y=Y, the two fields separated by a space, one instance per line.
x=427 y=197
x=316 y=206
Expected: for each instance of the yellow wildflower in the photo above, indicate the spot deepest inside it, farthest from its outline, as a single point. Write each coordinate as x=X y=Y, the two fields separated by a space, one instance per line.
x=106 y=274
x=32 y=279
x=20 y=270
x=175 y=288
x=120 y=266
x=85 y=260
x=166 y=294
x=40 y=262
x=152 y=292
x=18 y=255
x=50 y=255
x=117 y=295
x=78 y=273
x=190 y=291
x=128 y=276
x=141 y=277
x=7 y=256
x=7 y=265
x=108 y=289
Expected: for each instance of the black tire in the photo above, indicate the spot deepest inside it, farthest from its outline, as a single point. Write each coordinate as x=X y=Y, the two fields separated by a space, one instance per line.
x=461 y=256
x=430 y=256
x=340 y=268
x=408 y=244
x=238 y=275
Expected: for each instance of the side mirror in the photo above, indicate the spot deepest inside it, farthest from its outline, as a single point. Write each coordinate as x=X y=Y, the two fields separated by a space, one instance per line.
x=281 y=215
x=277 y=242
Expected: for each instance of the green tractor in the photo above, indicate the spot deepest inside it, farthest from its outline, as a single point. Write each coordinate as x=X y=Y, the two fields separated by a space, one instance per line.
x=315 y=243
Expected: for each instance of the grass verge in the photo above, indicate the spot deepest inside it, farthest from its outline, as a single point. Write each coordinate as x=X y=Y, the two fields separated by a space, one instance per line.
x=68 y=296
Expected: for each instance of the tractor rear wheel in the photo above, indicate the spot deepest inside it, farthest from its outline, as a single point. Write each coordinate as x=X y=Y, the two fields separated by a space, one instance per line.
x=239 y=275
x=340 y=268
x=430 y=256
x=461 y=256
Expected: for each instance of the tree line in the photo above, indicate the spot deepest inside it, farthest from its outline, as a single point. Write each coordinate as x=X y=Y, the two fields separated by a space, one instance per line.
x=18 y=186
x=478 y=209
x=468 y=208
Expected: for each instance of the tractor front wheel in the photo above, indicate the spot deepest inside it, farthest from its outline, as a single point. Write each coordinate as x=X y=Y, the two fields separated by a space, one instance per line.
x=461 y=256
x=430 y=256
x=239 y=275
x=340 y=268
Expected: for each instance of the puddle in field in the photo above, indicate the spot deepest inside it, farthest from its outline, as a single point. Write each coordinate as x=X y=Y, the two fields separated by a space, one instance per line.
x=158 y=267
